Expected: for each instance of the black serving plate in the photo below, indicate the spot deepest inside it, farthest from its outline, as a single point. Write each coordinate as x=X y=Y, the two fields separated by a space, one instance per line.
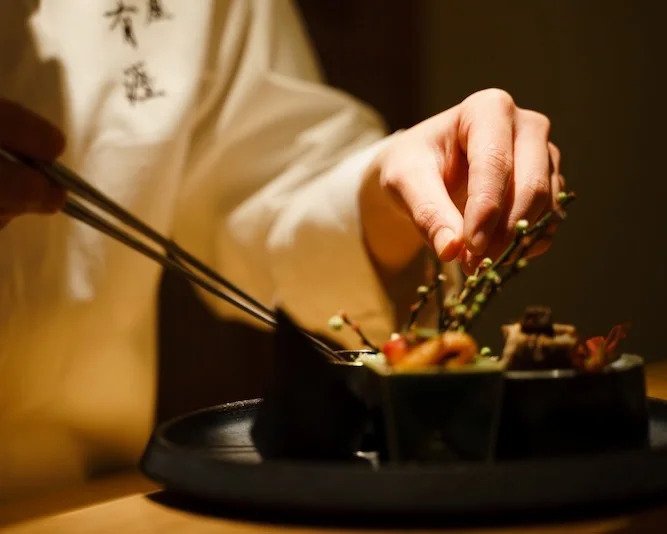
x=210 y=455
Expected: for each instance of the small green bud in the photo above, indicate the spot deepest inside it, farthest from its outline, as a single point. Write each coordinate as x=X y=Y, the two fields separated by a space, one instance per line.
x=493 y=276
x=422 y=290
x=480 y=298
x=562 y=197
x=471 y=280
x=485 y=351
x=486 y=263
x=461 y=328
x=521 y=263
x=336 y=322
x=474 y=309
x=521 y=226
x=460 y=309
x=451 y=301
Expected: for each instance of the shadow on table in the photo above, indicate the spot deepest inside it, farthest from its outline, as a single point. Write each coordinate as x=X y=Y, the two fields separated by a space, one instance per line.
x=631 y=516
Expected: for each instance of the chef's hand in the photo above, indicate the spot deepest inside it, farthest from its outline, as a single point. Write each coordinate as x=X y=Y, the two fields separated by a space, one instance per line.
x=460 y=180
x=24 y=190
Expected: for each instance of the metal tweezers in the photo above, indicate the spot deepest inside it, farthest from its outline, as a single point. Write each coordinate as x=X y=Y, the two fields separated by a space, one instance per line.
x=81 y=195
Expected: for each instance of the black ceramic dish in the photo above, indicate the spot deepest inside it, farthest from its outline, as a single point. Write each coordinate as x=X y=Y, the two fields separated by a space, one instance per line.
x=310 y=409
x=435 y=417
x=560 y=412
x=320 y=410
x=210 y=455
x=316 y=409
x=487 y=415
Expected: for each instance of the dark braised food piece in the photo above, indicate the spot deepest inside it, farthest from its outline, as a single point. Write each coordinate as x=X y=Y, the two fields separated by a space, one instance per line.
x=527 y=351
x=537 y=343
x=537 y=320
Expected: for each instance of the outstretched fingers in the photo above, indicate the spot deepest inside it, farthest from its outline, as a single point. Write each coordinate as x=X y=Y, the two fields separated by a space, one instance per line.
x=417 y=184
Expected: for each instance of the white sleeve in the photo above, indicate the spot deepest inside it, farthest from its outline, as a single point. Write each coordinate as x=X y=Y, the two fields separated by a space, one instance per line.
x=271 y=191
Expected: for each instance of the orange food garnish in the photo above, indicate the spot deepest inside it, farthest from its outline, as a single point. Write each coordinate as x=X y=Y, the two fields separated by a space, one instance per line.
x=454 y=349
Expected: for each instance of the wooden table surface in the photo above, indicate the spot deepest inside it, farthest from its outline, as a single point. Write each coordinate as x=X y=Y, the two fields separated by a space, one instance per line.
x=129 y=503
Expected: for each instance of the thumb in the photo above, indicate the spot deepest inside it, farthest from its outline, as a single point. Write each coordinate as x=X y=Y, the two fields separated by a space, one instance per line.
x=423 y=194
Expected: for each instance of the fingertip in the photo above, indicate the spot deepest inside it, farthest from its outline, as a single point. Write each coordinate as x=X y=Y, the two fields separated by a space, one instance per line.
x=469 y=262
x=447 y=244
x=478 y=242
x=478 y=235
x=462 y=255
x=480 y=221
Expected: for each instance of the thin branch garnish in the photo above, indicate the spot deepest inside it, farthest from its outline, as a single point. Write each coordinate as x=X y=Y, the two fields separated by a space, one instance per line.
x=449 y=345
x=337 y=321
x=491 y=275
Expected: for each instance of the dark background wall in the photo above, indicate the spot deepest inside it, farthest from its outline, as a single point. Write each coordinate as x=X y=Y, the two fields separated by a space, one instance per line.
x=593 y=66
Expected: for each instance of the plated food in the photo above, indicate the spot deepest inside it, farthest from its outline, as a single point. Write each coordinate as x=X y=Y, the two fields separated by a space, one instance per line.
x=435 y=394
x=534 y=342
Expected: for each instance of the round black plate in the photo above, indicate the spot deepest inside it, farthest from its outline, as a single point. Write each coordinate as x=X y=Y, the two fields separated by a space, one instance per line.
x=209 y=454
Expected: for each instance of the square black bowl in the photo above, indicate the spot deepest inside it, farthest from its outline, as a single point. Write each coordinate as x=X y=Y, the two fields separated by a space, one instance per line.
x=447 y=416
x=312 y=408
x=562 y=412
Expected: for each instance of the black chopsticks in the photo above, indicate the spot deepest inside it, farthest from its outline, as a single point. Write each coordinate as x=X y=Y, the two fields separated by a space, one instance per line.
x=81 y=195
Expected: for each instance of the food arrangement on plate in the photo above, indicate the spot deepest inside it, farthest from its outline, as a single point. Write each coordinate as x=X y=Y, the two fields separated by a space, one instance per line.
x=430 y=421
x=535 y=342
x=433 y=395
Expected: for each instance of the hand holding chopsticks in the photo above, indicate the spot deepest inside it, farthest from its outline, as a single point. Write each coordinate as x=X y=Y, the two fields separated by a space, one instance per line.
x=112 y=220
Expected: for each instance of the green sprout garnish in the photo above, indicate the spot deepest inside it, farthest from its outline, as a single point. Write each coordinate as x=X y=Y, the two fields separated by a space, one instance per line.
x=336 y=322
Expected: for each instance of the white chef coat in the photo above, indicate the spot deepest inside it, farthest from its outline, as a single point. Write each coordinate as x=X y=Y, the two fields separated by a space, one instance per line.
x=207 y=119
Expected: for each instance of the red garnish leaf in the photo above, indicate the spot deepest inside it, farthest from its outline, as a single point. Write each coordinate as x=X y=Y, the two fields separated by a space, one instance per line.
x=616 y=334
x=594 y=344
x=596 y=352
x=395 y=349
